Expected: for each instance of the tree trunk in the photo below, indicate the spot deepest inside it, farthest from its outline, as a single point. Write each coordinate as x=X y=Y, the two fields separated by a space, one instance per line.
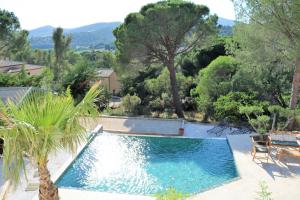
x=294 y=93
x=205 y=117
x=174 y=88
x=274 y=122
x=47 y=190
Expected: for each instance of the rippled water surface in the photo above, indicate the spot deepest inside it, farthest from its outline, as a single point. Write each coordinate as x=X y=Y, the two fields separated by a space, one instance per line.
x=147 y=165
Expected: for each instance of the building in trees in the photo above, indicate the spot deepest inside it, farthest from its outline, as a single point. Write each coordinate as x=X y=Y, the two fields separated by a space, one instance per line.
x=108 y=79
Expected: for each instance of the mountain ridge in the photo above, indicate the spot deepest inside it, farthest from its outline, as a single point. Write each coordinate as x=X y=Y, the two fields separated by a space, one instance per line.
x=96 y=35
x=47 y=30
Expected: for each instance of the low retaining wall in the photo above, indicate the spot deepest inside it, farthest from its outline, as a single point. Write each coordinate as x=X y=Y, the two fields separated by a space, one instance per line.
x=136 y=125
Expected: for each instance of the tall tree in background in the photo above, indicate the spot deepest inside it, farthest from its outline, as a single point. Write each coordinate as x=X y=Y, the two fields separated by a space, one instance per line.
x=12 y=38
x=280 y=21
x=160 y=32
x=61 y=46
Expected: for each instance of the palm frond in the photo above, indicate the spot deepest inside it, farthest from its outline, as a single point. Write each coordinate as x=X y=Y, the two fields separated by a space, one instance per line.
x=41 y=124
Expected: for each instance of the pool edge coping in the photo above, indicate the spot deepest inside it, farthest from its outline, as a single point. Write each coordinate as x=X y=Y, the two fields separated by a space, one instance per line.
x=99 y=129
x=62 y=169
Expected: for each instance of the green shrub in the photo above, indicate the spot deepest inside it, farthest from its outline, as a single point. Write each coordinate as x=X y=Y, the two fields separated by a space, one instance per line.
x=214 y=81
x=227 y=106
x=171 y=194
x=114 y=112
x=131 y=104
x=280 y=116
x=256 y=117
x=156 y=105
x=263 y=193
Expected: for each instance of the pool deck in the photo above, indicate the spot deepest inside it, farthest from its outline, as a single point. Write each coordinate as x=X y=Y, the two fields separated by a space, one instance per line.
x=282 y=178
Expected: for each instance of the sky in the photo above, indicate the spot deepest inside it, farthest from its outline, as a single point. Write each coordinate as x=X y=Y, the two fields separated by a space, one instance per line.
x=75 y=13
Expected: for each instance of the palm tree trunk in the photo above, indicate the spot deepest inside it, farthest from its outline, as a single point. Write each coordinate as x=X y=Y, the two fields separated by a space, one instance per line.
x=174 y=88
x=294 y=93
x=47 y=190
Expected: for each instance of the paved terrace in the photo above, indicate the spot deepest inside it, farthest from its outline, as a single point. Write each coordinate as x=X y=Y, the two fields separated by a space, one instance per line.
x=283 y=178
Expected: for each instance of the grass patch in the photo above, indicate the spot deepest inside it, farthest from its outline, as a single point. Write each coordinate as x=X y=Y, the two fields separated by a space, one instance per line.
x=171 y=194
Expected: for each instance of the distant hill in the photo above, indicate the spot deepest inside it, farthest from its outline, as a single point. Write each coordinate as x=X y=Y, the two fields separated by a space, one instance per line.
x=225 y=22
x=226 y=26
x=97 y=35
x=94 y=36
x=41 y=32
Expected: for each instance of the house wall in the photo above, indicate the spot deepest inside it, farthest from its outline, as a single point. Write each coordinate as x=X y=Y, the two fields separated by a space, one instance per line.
x=104 y=81
x=114 y=83
x=111 y=83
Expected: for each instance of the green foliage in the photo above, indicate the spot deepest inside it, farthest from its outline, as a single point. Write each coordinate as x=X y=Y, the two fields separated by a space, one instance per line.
x=144 y=35
x=269 y=36
x=160 y=32
x=42 y=124
x=264 y=193
x=269 y=74
x=131 y=103
x=115 y=112
x=79 y=78
x=269 y=16
x=133 y=82
x=280 y=116
x=159 y=90
x=12 y=38
x=256 y=117
x=100 y=59
x=200 y=58
x=171 y=194
x=107 y=95
x=263 y=116
x=214 y=81
x=61 y=46
x=161 y=84
x=22 y=79
x=227 y=106
x=9 y=23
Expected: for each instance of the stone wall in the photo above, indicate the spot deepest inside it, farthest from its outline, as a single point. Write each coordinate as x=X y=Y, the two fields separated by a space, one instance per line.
x=137 y=125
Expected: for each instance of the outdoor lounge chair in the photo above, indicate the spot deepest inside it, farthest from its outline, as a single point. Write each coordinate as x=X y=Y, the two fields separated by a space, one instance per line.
x=283 y=140
x=286 y=143
x=260 y=144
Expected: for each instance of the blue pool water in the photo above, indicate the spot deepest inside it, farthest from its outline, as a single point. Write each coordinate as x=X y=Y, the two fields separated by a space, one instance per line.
x=148 y=165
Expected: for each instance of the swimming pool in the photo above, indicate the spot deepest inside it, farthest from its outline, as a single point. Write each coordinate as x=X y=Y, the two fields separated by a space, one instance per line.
x=148 y=165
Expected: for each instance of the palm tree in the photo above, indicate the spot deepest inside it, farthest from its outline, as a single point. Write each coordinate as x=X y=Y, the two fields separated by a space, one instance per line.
x=41 y=124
